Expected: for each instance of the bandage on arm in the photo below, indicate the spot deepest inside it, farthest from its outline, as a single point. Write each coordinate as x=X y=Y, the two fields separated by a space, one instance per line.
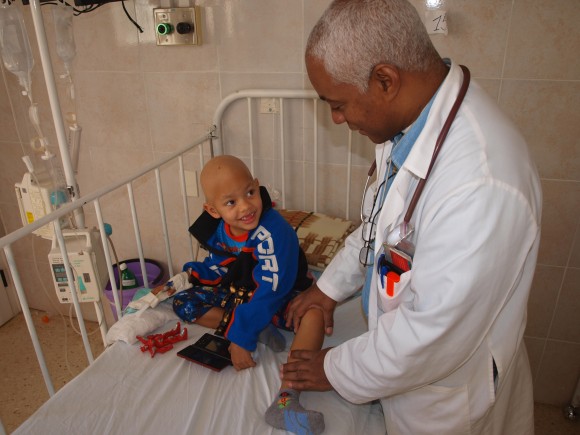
x=176 y=284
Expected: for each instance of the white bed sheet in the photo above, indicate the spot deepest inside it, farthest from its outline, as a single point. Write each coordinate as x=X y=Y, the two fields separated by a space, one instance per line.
x=125 y=391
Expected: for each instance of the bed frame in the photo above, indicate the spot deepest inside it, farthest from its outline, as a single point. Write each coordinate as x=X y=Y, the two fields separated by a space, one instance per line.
x=296 y=128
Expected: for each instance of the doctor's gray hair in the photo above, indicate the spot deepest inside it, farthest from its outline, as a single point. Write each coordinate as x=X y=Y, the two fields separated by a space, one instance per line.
x=353 y=36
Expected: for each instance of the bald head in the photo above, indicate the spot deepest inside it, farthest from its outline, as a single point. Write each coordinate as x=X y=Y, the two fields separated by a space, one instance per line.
x=220 y=170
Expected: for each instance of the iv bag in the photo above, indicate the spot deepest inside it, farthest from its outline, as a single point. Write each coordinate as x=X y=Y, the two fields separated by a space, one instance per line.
x=14 y=44
x=63 y=27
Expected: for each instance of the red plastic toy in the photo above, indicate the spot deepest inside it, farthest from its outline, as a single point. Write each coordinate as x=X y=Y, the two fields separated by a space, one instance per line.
x=161 y=343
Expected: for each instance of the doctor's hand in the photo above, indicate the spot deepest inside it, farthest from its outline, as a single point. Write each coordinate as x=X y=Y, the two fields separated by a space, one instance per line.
x=241 y=358
x=306 y=372
x=312 y=297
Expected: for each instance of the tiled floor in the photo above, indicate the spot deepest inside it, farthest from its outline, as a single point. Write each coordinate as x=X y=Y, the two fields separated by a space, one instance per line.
x=22 y=388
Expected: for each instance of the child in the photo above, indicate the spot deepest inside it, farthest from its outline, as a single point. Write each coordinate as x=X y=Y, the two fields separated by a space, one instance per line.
x=250 y=246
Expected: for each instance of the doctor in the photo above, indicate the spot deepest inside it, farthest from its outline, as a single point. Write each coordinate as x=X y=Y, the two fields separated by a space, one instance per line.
x=444 y=352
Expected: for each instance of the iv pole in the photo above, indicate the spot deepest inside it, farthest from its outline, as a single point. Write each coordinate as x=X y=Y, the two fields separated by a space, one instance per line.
x=66 y=163
x=71 y=183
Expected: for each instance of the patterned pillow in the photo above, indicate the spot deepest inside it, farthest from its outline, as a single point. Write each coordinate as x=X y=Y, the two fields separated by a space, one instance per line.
x=321 y=236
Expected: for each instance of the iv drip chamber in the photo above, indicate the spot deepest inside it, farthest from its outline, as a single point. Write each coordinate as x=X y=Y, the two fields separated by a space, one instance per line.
x=14 y=44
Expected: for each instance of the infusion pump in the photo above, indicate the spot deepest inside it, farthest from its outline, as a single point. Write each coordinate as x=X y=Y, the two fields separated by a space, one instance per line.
x=88 y=265
x=34 y=202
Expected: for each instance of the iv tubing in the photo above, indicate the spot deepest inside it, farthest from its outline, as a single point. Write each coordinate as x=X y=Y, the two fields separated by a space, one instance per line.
x=55 y=108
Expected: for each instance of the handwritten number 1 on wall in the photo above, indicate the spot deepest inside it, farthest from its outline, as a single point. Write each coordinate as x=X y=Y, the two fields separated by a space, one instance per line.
x=440 y=23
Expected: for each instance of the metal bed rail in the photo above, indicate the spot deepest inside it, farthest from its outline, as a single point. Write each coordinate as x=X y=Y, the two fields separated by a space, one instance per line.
x=53 y=218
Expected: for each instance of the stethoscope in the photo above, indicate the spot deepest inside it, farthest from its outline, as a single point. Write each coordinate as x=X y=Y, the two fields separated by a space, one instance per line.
x=406 y=228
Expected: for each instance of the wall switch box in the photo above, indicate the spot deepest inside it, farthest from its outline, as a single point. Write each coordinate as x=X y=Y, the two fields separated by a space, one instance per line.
x=178 y=26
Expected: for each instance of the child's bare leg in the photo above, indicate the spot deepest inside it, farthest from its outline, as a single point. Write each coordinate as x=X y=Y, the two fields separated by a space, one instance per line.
x=309 y=336
x=286 y=412
x=212 y=318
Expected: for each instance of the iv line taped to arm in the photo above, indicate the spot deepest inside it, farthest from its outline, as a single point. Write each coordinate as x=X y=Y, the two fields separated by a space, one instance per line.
x=175 y=285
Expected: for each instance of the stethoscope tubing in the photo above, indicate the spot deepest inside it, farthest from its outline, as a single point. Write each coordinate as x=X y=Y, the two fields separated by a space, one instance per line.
x=438 y=144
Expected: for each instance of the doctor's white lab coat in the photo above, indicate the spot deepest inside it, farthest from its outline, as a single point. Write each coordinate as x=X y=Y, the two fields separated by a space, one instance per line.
x=430 y=350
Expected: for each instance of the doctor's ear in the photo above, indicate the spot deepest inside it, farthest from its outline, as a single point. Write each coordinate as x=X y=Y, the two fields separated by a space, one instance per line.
x=387 y=78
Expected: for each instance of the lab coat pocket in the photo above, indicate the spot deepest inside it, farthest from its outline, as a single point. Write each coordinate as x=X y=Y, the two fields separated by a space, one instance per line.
x=442 y=410
x=394 y=290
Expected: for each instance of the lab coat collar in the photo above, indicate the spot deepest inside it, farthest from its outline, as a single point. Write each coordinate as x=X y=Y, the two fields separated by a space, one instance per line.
x=420 y=156
x=409 y=136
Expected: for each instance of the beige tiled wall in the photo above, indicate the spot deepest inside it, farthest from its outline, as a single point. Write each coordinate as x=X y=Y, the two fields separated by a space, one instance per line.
x=136 y=101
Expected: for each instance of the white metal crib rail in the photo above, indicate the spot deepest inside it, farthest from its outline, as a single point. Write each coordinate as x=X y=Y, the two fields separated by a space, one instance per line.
x=94 y=199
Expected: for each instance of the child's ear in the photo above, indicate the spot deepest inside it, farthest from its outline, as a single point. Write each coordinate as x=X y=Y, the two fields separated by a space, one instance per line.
x=211 y=210
x=257 y=182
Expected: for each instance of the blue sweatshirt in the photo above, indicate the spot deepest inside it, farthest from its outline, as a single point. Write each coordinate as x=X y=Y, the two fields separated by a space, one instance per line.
x=272 y=263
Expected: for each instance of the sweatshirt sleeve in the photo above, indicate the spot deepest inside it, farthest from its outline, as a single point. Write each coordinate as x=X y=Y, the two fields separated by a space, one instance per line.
x=210 y=271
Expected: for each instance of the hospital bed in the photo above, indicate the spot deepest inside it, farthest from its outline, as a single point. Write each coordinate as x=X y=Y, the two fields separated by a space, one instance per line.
x=289 y=143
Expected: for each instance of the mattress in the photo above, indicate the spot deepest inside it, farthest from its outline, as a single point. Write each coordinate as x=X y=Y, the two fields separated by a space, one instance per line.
x=126 y=391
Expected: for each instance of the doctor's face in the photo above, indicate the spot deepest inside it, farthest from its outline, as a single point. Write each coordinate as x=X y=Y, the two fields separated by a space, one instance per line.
x=366 y=112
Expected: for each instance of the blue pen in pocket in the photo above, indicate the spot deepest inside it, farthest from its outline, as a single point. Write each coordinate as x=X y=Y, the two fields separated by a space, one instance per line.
x=382 y=268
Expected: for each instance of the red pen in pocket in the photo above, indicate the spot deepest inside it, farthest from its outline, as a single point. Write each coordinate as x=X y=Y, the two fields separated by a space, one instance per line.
x=392 y=278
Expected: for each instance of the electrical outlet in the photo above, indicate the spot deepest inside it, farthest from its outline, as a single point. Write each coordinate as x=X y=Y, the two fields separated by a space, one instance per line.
x=178 y=26
x=269 y=105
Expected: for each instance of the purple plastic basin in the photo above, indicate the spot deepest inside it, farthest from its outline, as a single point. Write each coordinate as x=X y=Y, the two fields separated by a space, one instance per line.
x=155 y=275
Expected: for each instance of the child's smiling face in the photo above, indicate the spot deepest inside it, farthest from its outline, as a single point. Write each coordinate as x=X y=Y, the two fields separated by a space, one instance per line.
x=234 y=196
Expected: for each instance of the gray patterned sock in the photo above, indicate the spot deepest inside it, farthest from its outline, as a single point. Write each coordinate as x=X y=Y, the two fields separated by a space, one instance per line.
x=286 y=413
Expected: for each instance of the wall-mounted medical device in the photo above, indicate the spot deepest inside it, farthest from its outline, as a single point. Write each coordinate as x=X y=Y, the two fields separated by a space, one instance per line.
x=36 y=200
x=178 y=26
x=88 y=266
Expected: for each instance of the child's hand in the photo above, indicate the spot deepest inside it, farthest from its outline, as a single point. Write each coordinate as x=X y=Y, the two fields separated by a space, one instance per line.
x=241 y=358
x=158 y=289
x=163 y=288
